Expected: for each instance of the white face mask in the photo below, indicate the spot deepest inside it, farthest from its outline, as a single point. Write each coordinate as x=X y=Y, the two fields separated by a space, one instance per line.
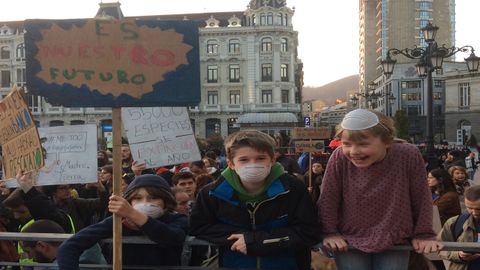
x=253 y=173
x=151 y=210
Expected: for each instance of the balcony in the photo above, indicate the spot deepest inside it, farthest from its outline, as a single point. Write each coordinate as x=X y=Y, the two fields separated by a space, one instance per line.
x=233 y=108
x=212 y=108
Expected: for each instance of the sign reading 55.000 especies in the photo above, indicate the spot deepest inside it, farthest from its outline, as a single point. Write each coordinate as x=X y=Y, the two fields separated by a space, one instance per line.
x=113 y=63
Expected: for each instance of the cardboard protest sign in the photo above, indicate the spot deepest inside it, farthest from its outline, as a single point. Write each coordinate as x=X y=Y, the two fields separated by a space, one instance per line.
x=311 y=133
x=160 y=136
x=113 y=63
x=309 y=146
x=18 y=136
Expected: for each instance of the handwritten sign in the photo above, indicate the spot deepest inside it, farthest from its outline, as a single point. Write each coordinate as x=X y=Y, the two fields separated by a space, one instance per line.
x=113 y=63
x=160 y=136
x=311 y=133
x=18 y=136
x=309 y=146
x=71 y=156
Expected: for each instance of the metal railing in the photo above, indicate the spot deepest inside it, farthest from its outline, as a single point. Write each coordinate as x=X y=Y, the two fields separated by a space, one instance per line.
x=191 y=241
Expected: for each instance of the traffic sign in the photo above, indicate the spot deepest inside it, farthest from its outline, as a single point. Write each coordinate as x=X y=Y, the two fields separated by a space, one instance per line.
x=306 y=120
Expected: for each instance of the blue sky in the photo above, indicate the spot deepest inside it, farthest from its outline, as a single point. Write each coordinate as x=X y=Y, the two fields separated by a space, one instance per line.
x=328 y=30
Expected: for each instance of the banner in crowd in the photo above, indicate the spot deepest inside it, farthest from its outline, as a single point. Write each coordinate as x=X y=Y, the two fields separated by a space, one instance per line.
x=160 y=136
x=19 y=139
x=113 y=63
x=71 y=155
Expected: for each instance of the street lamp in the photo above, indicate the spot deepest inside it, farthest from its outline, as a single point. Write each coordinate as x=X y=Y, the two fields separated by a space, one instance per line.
x=371 y=97
x=430 y=59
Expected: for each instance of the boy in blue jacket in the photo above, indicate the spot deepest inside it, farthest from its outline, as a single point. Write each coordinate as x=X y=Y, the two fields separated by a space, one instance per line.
x=260 y=216
x=147 y=208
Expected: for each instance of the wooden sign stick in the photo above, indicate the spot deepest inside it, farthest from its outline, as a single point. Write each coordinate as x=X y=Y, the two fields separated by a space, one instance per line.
x=117 y=180
x=310 y=189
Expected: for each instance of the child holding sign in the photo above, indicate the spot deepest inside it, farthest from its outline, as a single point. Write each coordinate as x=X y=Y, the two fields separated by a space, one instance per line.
x=147 y=208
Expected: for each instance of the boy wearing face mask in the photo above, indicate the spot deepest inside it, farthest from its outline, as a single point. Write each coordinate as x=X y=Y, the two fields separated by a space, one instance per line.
x=260 y=216
x=147 y=208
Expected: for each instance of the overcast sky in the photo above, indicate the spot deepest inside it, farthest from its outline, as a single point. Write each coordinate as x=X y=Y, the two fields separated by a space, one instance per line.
x=328 y=30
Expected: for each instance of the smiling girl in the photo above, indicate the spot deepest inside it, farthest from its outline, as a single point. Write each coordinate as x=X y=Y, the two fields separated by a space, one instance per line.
x=374 y=196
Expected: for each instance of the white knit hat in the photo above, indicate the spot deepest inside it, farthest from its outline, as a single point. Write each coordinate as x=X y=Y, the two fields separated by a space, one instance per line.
x=359 y=119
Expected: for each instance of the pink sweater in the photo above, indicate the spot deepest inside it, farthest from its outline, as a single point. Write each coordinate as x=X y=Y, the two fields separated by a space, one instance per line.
x=377 y=207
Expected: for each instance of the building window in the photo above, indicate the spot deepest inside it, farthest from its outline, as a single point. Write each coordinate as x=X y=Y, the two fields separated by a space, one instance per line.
x=413 y=110
x=464 y=94
x=284 y=45
x=234 y=73
x=21 y=78
x=263 y=19
x=56 y=123
x=33 y=102
x=5 y=52
x=285 y=95
x=5 y=78
x=266 y=45
x=266 y=96
x=77 y=122
x=411 y=84
x=212 y=76
x=212 y=47
x=234 y=46
x=266 y=72
x=284 y=72
x=270 y=18
x=438 y=83
x=234 y=97
x=212 y=98
x=280 y=19
x=437 y=95
x=21 y=51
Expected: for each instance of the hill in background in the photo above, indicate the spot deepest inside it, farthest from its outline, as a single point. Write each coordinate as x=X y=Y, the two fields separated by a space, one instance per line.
x=329 y=93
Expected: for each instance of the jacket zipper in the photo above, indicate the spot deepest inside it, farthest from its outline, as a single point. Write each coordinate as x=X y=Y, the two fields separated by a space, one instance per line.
x=252 y=217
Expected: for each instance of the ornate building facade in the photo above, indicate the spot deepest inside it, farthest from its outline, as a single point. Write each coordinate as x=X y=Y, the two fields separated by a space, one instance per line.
x=248 y=61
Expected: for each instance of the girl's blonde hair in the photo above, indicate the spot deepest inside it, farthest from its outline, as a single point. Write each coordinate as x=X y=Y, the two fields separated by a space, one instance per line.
x=452 y=169
x=384 y=129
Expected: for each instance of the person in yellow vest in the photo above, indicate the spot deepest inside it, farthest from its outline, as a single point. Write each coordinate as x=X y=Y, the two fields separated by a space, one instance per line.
x=28 y=204
x=46 y=251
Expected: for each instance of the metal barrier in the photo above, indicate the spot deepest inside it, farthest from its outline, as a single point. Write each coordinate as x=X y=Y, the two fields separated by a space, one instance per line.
x=191 y=241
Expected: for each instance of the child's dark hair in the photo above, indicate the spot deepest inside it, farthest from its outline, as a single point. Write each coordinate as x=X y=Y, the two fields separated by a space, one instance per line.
x=181 y=176
x=42 y=226
x=445 y=182
x=249 y=138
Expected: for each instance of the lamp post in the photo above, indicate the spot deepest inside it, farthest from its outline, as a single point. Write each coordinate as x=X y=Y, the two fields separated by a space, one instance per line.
x=372 y=97
x=430 y=58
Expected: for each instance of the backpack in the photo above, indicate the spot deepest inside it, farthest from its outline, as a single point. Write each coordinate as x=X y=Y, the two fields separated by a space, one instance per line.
x=457 y=226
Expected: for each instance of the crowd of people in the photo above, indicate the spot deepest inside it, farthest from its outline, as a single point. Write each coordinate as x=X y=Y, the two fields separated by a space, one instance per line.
x=260 y=207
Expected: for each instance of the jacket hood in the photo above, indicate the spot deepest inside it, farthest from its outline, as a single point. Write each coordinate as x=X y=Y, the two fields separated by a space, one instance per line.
x=150 y=180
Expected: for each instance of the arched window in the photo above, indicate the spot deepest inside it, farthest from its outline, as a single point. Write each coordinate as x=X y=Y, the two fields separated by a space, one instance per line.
x=284 y=45
x=5 y=52
x=270 y=18
x=212 y=127
x=234 y=46
x=266 y=44
x=263 y=19
x=77 y=122
x=212 y=46
x=20 y=50
x=56 y=123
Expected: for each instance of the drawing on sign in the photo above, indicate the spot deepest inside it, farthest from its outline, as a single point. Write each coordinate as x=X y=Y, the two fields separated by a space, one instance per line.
x=160 y=136
x=18 y=136
x=113 y=63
